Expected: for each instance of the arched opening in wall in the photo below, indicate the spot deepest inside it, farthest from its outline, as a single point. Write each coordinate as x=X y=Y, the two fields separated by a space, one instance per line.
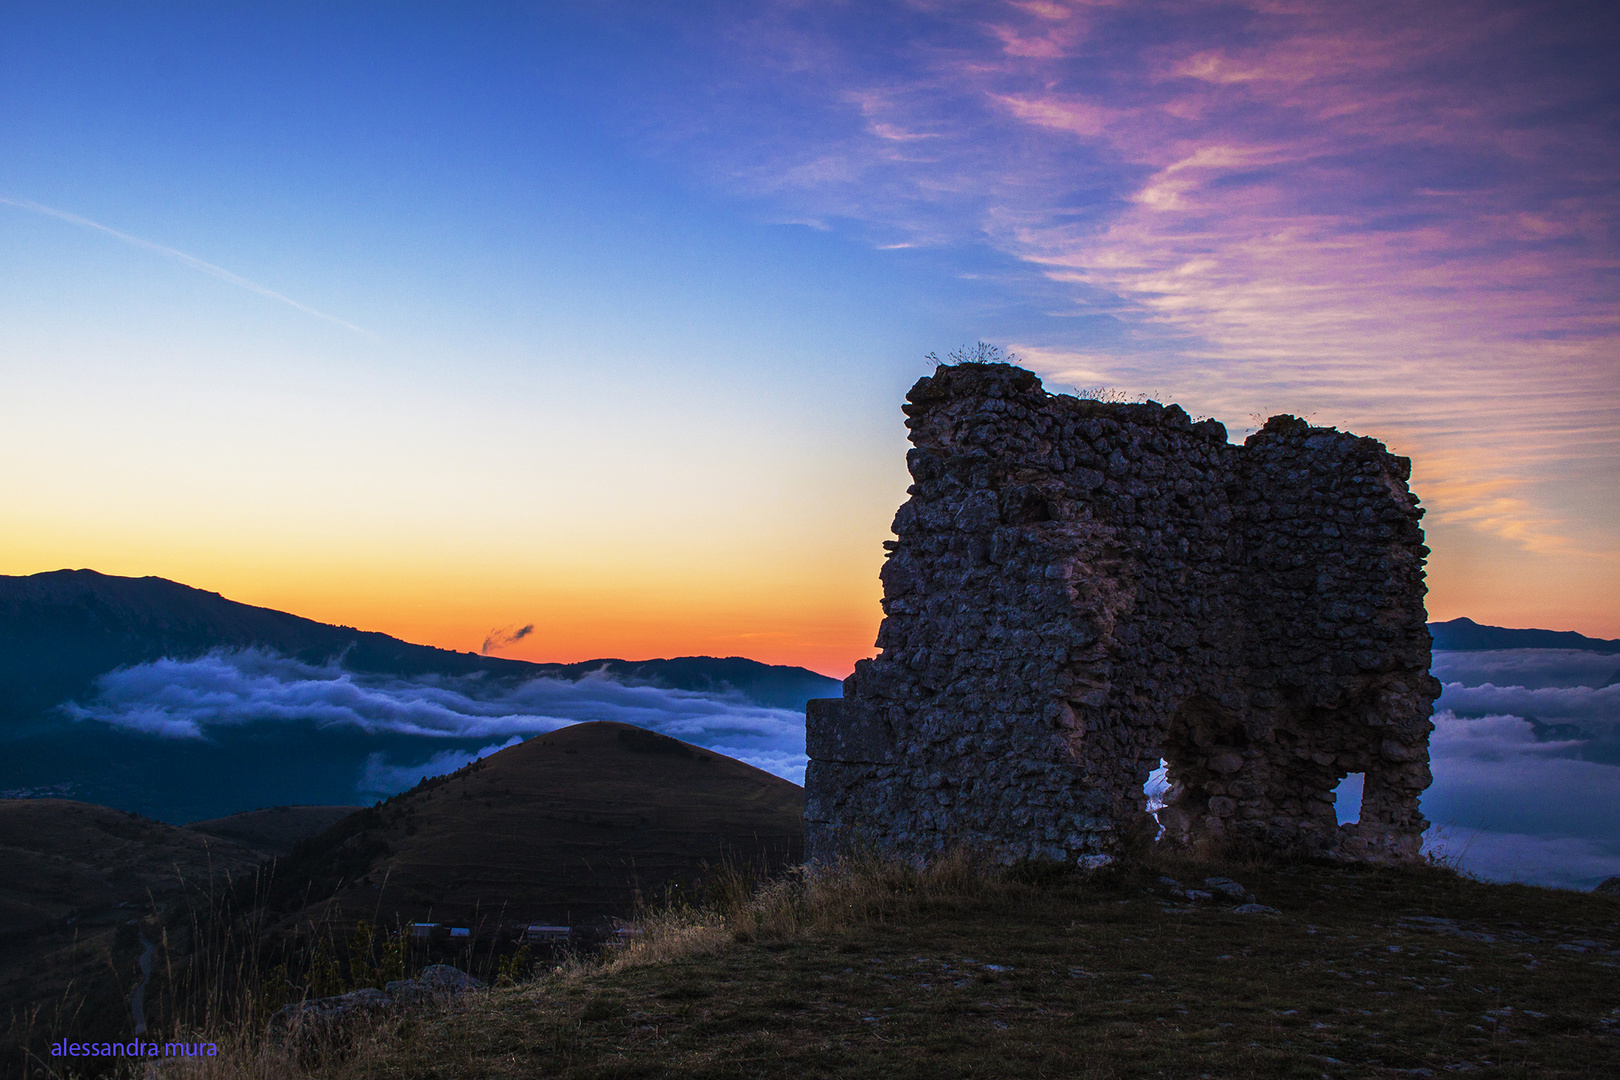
x=1156 y=790
x=1204 y=748
x=1347 y=798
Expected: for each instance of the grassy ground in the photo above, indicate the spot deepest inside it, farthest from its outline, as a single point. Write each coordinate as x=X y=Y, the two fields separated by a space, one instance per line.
x=886 y=973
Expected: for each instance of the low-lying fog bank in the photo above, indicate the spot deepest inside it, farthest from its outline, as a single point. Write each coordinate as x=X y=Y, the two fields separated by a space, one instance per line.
x=1526 y=748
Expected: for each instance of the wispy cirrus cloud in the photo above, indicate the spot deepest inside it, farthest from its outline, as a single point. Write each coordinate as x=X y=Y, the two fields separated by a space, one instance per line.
x=1400 y=218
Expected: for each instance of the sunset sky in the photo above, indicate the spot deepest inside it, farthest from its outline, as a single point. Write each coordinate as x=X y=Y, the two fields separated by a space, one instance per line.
x=441 y=318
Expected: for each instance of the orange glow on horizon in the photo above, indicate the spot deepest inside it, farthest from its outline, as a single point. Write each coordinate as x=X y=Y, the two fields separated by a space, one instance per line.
x=1493 y=581
x=823 y=623
x=824 y=626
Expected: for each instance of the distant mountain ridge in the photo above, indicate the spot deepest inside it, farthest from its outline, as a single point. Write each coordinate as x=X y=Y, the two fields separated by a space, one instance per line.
x=1466 y=635
x=60 y=630
x=204 y=735
x=64 y=634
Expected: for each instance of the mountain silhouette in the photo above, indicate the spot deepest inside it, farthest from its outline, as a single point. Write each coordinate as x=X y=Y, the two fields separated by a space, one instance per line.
x=1466 y=635
x=62 y=629
x=64 y=634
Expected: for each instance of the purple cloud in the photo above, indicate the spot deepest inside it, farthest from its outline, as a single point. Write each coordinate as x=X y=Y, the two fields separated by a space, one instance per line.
x=1397 y=218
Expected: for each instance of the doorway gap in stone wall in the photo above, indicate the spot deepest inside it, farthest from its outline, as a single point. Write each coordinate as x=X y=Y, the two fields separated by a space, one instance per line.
x=1155 y=790
x=1347 y=798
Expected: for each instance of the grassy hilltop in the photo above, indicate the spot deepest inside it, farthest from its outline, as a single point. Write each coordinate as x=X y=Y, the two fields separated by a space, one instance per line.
x=880 y=971
x=564 y=828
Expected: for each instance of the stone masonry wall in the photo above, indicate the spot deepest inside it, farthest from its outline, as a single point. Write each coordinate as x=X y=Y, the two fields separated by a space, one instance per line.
x=1078 y=589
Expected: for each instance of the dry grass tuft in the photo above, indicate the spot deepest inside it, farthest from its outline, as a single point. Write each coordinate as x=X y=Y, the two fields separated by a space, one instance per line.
x=660 y=937
x=863 y=889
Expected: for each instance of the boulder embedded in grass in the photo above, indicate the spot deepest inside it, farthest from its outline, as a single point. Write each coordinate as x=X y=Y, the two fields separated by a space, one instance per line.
x=1230 y=889
x=435 y=981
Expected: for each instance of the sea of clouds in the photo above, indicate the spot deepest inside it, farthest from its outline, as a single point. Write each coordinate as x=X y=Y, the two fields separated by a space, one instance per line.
x=1526 y=761
x=1525 y=753
x=187 y=699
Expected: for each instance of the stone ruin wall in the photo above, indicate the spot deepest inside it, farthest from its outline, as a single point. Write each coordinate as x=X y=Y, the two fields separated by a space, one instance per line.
x=1078 y=589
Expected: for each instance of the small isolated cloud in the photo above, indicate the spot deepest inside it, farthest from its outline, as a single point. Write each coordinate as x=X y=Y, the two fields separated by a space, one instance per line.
x=1598 y=710
x=380 y=779
x=504 y=637
x=1491 y=738
x=187 y=699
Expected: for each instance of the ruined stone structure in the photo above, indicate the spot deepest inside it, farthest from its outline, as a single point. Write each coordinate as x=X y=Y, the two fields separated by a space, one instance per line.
x=1079 y=589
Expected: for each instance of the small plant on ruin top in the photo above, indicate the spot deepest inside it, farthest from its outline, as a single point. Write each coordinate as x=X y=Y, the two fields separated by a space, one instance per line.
x=980 y=353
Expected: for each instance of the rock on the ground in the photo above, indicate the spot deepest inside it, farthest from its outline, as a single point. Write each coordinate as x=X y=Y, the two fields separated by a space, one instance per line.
x=435 y=981
x=1230 y=889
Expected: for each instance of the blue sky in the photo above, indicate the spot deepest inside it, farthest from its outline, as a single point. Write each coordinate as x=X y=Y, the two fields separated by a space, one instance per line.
x=436 y=318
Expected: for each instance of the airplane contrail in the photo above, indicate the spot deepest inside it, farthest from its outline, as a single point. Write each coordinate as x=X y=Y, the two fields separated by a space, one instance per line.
x=190 y=260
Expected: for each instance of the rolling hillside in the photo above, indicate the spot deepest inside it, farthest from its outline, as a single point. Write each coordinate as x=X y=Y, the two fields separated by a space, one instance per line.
x=275 y=830
x=564 y=828
x=76 y=881
x=573 y=827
